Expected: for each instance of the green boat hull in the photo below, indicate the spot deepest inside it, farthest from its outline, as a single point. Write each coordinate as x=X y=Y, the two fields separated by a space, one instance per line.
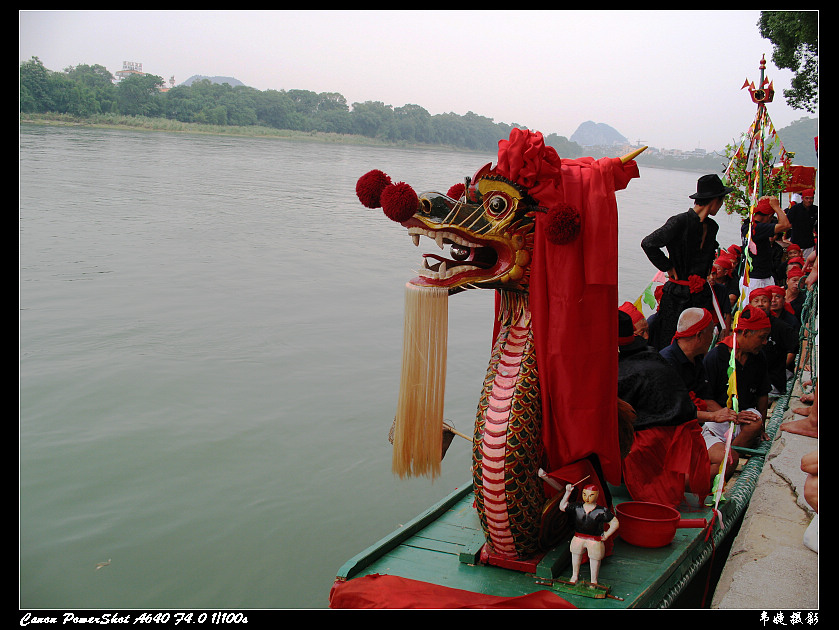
x=442 y=547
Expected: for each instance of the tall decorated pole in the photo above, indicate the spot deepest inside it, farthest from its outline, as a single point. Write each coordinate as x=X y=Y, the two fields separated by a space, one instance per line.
x=750 y=169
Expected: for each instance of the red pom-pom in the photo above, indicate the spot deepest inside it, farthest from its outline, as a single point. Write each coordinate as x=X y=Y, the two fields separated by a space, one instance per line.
x=399 y=202
x=456 y=191
x=563 y=224
x=369 y=188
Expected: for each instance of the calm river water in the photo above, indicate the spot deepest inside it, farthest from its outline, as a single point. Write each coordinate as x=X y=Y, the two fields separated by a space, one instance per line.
x=210 y=336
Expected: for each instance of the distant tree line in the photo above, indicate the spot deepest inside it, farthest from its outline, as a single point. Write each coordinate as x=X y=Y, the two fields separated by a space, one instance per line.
x=86 y=90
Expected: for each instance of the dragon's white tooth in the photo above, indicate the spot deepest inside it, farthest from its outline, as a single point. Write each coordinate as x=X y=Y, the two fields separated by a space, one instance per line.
x=439 y=240
x=415 y=238
x=442 y=269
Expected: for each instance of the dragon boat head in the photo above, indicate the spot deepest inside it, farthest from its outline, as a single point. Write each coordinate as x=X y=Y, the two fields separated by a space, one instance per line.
x=483 y=229
x=488 y=222
x=530 y=228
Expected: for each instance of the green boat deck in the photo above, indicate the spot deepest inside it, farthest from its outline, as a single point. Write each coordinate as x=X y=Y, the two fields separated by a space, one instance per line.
x=441 y=546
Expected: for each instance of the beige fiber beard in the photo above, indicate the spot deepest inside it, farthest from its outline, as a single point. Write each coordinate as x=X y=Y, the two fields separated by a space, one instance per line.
x=418 y=429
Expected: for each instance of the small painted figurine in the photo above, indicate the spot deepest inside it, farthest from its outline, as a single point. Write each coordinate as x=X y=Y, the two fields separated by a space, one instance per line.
x=593 y=524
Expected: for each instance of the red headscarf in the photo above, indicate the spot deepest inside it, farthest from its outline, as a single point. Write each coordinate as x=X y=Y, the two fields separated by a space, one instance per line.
x=776 y=290
x=630 y=309
x=764 y=291
x=763 y=207
x=752 y=318
x=706 y=320
x=725 y=262
x=573 y=292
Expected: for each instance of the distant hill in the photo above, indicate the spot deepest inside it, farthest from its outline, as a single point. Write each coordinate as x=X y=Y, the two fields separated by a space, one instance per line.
x=197 y=77
x=591 y=134
x=799 y=137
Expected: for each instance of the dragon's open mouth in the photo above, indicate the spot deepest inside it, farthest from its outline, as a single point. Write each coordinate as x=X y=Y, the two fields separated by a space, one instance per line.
x=469 y=261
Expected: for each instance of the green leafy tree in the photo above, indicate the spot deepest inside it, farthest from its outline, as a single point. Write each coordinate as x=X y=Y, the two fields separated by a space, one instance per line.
x=564 y=147
x=139 y=95
x=180 y=105
x=241 y=106
x=448 y=129
x=371 y=118
x=795 y=36
x=93 y=77
x=331 y=102
x=481 y=133
x=275 y=109
x=34 y=87
x=413 y=123
x=332 y=121
x=70 y=93
x=82 y=102
x=305 y=102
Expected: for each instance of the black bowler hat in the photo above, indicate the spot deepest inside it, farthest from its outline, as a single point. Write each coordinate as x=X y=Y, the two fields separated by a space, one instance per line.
x=710 y=186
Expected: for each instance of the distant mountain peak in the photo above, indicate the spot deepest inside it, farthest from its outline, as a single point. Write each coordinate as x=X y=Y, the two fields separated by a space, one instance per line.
x=198 y=77
x=591 y=133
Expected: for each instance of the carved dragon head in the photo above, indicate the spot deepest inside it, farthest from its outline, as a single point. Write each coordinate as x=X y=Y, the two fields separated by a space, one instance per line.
x=487 y=230
x=483 y=228
x=543 y=232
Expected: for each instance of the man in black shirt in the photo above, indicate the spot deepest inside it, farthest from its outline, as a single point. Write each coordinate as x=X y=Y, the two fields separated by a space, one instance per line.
x=691 y=242
x=780 y=309
x=763 y=227
x=668 y=453
x=690 y=344
x=804 y=217
x=782 y=345
x=751 y=333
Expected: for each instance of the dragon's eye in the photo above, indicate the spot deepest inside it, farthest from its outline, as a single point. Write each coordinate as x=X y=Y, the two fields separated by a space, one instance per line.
x=497 y=205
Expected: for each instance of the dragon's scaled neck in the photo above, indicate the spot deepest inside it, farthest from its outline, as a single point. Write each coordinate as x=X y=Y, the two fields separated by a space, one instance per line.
x=514 y=306
x=506 y=447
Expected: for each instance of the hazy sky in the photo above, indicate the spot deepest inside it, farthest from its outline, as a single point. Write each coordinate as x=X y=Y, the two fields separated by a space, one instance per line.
x=671 y=79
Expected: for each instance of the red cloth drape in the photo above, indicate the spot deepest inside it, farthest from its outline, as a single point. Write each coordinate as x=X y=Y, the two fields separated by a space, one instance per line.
x=573 y=298
x=394 y=592
x=660 y=461
x=574 y=302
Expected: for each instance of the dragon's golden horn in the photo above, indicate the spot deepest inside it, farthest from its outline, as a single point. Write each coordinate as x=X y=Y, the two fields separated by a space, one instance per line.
x=633 y=155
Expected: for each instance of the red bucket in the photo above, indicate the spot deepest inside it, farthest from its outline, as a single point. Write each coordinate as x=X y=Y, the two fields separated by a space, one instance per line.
x=651 y=524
